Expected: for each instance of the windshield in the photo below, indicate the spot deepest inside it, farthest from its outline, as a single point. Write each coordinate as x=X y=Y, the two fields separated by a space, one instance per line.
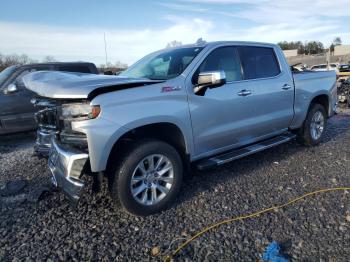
x=163 y=66
x=6 y=73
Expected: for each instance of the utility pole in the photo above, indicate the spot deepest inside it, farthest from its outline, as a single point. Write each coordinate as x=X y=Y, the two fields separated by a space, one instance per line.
x=104 y=36
x=328 y=58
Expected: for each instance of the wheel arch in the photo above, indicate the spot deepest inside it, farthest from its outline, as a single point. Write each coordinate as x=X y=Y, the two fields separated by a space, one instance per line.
x=165 y=131
x=323 y=100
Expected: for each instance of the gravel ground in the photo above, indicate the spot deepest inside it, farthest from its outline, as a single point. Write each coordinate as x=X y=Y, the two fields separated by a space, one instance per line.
x=316 y=229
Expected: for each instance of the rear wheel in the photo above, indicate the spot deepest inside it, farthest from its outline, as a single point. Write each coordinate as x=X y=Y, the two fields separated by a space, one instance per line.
x=148 y=178
x=311 y=133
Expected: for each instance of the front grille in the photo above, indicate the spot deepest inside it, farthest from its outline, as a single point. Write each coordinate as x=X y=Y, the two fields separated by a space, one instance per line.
x=46 y=117
x=50 y=122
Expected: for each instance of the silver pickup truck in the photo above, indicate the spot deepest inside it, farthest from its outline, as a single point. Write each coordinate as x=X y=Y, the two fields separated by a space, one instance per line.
x=195 y=106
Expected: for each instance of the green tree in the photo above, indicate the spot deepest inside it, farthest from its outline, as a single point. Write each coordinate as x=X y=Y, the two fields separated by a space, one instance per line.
x=337 y=41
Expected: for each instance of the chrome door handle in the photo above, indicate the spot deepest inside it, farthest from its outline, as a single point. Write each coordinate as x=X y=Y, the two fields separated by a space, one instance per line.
x=286 y=87
x=244 y=92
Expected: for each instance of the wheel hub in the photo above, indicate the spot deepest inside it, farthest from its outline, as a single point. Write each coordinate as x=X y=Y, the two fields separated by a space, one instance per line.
x=152 y=179
x=317 y=125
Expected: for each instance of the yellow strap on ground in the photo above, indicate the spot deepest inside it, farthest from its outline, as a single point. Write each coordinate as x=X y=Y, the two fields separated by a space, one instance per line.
x=226 y=221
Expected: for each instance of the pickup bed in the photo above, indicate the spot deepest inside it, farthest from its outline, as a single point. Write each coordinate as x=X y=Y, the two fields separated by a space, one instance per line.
x=191 y=106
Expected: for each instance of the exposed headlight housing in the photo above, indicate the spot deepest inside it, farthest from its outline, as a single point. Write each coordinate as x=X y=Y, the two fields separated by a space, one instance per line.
x=80 y=111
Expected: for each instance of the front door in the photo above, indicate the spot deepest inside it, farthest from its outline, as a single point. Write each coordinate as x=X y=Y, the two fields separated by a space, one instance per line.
x=17 y=112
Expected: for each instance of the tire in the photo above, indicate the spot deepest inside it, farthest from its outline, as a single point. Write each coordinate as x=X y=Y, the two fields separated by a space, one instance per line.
x=306 y=135
x=134 y=174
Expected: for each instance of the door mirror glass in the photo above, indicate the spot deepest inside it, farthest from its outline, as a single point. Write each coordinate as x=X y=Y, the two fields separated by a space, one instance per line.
x=211 y=79
x=12 y=88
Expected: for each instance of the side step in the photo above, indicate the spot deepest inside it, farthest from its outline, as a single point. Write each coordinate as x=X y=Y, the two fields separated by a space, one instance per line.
x=242 y=152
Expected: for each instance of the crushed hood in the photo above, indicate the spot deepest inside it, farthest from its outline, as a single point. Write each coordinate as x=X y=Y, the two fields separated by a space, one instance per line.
x=54 y=84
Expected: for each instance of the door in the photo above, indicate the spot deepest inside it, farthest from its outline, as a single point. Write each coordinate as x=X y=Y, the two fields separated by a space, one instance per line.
x=271 y=90
x=17 y=112
x=239 y=112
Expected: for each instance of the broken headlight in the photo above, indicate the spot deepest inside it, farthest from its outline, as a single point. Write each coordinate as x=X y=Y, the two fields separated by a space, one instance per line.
x=80 y=111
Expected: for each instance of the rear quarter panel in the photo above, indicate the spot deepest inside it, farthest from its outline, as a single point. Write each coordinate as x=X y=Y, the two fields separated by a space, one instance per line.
x=309 y=85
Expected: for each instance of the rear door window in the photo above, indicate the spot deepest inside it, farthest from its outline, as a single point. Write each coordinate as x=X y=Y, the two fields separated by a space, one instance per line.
x=74 y=68
x=258 y=62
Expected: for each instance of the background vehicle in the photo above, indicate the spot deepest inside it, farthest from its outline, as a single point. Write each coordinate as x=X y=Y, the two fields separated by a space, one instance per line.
x=343 y=72
x=17 y=113
x=299 y=67
x=323 y=67
x=198 y=105
x=344 y=91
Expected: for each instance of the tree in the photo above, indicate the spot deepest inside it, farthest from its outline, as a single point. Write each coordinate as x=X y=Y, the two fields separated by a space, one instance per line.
x=48 y=59
x=337 y=41
x=331 y=49
x=292 y=45
x=201 y=41
x=173 y=43
x=120 y=65
x=313 y=48
x=14 y=59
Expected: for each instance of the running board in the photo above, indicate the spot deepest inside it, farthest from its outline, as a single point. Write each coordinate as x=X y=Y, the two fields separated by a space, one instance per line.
x=242 y=152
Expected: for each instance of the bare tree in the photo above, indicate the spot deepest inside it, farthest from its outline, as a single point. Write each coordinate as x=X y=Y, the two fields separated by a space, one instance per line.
x=49 y=59
x=14 y=59
x=111 y=69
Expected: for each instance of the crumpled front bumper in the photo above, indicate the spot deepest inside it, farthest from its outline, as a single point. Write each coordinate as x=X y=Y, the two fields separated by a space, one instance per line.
x=67 y=166
x=43 y=142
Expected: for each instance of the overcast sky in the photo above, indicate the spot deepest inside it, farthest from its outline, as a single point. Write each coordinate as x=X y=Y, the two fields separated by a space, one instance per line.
x=72 y=30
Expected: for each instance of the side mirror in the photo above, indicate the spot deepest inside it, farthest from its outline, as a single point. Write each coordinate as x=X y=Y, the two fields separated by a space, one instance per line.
x=11 y=88
x=209 y=80
x=212 y=79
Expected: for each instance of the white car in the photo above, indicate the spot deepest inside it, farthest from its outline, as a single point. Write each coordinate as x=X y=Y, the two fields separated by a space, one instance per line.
x=323 y=67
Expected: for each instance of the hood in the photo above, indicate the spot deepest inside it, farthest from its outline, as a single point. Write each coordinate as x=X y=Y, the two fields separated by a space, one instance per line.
x=67 y=85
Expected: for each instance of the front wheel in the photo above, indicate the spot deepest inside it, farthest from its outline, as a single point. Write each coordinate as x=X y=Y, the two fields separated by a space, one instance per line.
x=148 y=178
x=311 y=133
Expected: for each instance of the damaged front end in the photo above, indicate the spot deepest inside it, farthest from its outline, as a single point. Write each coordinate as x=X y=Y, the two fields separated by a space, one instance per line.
x=66 y=149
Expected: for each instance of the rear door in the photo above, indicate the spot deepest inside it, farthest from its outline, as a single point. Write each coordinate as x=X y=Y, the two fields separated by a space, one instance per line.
x=271 y=89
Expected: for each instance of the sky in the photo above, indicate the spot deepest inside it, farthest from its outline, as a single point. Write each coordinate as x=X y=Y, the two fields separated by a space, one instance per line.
x=73 y=30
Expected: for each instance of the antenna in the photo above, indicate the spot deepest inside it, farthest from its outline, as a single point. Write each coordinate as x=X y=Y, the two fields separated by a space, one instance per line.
x=104 y=36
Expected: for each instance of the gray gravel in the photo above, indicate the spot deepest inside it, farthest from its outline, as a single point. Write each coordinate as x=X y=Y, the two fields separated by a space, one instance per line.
x=315 y=229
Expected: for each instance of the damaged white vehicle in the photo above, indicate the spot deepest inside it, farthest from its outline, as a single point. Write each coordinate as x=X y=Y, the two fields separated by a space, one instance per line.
x=191 y=106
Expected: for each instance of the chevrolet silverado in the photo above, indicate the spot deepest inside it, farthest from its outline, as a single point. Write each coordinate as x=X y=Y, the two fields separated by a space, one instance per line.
x=194 y=106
